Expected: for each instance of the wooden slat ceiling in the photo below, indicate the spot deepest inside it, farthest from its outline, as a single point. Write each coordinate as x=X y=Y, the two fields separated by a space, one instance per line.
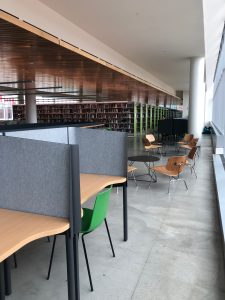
x=25 y=56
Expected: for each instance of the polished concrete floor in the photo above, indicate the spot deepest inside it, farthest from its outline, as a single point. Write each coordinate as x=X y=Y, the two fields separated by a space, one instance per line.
x=173 y=252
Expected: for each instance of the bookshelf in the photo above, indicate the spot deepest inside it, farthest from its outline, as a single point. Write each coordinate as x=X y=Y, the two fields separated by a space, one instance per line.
x=130 y=117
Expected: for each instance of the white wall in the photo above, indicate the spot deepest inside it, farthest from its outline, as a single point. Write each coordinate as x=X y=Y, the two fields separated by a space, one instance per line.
x=48 y=20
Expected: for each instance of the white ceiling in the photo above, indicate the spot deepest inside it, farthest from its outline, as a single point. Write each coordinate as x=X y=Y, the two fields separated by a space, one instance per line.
x=157 y=35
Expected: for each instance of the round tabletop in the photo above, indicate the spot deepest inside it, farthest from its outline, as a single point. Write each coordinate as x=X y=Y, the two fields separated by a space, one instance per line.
x=144 y=158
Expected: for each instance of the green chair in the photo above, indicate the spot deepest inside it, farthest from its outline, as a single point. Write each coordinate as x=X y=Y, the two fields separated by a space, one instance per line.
x=91 y=220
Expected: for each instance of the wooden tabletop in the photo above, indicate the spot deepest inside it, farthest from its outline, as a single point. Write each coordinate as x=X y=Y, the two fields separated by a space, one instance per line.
x=20 y=228
x=93 y=126
x=25 y=228
x=144 y=158
x=91 y=184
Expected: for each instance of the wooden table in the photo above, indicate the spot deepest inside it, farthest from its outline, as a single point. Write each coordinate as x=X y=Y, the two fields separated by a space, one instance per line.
x=20 y=228
x=147 y=160
x=91 y=184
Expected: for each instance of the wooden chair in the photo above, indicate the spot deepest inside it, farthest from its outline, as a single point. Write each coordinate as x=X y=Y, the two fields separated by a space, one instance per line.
x=130 y=170
x=172 y=169
x=186 y=139
x=149 y=143
x=190 y=145
x=190 y=162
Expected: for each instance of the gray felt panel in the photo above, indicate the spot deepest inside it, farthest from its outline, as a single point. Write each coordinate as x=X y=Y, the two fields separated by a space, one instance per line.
x=56 y=135
x=101 y=151
x=34 y=176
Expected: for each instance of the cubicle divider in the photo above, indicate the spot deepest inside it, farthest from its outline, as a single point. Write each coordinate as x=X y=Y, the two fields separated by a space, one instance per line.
x=101 y=151
x=55 y=135
x=34 y=176
x=43 y=178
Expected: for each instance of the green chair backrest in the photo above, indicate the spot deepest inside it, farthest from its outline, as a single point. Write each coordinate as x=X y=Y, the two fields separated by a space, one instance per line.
x=100 y=209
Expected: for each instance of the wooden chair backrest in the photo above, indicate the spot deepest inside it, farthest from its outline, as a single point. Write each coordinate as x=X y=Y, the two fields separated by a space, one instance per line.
x=176 y=163
x=192 y=153
x=146 y=142
x=150 y=138
x=188 y=137
x=193 y=142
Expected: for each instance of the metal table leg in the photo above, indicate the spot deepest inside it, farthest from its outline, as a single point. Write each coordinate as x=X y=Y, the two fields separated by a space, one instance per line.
x=76 y=266
x=7 y=275
x=125 y=221
x=2 y=282
x=70 y=266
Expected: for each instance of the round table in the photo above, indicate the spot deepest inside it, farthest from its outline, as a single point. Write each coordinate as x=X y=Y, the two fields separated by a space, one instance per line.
x=147 y=160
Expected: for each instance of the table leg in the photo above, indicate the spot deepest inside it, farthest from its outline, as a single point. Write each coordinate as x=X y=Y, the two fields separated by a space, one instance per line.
x=2 y=282
x=125 y=221
x=150 y=173
x=70 y=265
x=7 y=275
x=76 y=266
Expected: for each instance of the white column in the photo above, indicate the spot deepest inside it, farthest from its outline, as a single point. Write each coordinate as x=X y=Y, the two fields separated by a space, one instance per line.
x=185 y=104
x=196 y=96
x=30 y=100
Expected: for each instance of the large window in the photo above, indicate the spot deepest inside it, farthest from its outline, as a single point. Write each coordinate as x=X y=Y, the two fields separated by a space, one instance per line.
x=219 y=91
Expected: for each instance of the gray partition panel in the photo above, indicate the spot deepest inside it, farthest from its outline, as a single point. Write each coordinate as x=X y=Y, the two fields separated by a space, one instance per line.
x=101 y=151
x=34 y=176
x=57 y=135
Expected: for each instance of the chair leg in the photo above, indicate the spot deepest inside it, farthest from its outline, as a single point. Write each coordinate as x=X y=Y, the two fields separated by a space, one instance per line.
x=87 y=263
x=194 y=171
x=132 y=172
x=185 y=183
x=154 y=175
x=107 y=228
x=52 y=253
x=169 y=185
x=198 y=150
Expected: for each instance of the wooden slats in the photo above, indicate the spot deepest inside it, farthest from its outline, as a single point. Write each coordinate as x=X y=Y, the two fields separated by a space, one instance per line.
x=28 y=53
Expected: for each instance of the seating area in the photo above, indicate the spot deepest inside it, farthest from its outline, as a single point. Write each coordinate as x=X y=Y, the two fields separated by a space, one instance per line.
x=178 y=230
x=175 y=164
x=174 y=168
x=50 y=186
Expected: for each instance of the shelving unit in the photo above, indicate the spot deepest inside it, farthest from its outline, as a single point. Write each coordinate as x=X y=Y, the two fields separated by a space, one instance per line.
x=129 y=117
x=117 y=116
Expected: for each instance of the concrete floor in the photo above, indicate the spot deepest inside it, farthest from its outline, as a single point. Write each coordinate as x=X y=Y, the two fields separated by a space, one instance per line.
x=173 y=252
